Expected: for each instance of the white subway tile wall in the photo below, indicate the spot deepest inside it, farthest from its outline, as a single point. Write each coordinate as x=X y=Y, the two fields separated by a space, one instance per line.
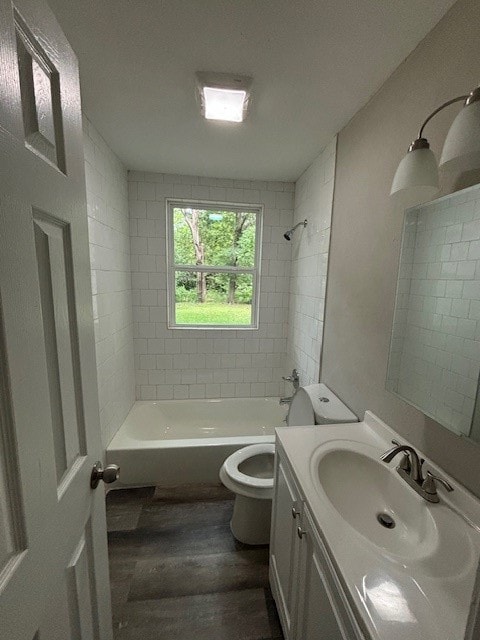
x=435 y=352
x=108 y=230
x=308 y=277
x=202 y=363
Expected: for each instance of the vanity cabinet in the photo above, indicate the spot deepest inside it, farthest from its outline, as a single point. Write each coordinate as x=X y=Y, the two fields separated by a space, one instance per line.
x=309 y=597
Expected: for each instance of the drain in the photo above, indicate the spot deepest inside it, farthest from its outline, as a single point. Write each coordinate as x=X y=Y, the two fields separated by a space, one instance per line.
x=386 y=521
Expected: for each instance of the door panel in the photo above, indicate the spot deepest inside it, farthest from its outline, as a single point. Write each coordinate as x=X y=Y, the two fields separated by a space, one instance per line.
x=284 y=542
x=53 y=554
x=79 y=593
x=55 y=275
x=12 y=524
x=317 y=620
x=322 y=612
x=40 y=96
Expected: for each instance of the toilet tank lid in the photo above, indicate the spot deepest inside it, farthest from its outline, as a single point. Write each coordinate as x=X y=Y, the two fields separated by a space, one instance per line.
x=328 y=408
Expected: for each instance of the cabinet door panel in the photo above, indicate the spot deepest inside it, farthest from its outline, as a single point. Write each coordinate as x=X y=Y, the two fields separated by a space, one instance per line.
x=284 y=544
x=317 y=619
x=318 y=616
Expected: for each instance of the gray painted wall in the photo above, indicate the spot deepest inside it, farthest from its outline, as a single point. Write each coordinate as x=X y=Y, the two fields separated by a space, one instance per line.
x=366 y=231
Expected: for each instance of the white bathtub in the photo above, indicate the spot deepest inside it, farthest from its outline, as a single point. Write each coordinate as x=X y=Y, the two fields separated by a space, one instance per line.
x=172 y=442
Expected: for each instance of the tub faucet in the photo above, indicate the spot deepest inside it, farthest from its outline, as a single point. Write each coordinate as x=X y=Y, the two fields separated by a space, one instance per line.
x=293 y=378
x=286 y=400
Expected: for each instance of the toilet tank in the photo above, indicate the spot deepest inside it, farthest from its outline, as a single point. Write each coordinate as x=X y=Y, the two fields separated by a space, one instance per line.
x=316 y=404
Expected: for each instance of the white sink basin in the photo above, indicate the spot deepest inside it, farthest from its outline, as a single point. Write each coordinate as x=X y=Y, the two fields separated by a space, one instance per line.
x=366 y=492
x=412 y=581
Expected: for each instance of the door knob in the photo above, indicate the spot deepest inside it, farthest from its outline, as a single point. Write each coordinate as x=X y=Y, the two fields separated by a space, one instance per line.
x=108 y=475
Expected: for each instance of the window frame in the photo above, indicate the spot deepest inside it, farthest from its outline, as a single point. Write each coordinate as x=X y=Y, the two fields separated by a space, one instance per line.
x=172 y=267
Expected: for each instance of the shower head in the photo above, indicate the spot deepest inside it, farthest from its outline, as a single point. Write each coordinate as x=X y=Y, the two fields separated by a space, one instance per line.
x=288 y=234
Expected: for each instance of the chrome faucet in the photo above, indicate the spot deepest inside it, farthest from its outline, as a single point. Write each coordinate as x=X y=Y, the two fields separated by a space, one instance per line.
x=410 y=469
x=413 y=467
x=295 y=380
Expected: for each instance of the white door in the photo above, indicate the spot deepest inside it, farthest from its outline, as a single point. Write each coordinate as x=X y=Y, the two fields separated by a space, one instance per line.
x=53 y=553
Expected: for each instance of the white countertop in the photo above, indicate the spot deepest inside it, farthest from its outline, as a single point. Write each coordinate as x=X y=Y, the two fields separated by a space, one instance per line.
x=394 y=597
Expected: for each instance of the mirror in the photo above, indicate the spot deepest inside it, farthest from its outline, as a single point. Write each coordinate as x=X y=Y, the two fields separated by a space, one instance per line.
x=434 y=360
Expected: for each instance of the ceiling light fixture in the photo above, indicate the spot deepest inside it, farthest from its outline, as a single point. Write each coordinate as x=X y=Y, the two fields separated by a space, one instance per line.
x=417 y=173
x=223 y=96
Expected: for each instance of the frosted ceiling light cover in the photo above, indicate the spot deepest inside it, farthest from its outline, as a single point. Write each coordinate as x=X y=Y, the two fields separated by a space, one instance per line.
x=417 y=175
x=223 y=96
x=224 y=104
x=461 y=151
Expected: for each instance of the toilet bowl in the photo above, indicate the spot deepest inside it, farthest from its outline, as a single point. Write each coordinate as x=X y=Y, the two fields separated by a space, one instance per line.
x=249 y=471
x=249 y=474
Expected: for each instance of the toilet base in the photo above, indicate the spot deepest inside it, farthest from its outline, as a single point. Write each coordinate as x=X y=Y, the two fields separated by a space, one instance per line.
x=250 y=522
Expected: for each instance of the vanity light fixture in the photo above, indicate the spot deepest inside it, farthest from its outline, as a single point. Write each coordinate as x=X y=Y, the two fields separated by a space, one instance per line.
x=223 y=96
x=417 y=173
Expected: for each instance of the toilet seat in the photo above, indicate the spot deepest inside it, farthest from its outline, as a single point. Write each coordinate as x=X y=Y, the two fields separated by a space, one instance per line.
x=240 y=482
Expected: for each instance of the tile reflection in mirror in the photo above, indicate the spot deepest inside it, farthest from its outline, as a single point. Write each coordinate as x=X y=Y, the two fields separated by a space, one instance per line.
x=434 y=358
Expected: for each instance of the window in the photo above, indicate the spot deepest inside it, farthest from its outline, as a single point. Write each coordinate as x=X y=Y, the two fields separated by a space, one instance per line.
x=213 y=265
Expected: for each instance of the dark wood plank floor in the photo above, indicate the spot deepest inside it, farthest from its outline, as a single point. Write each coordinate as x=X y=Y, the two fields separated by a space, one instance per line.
x=177 y=573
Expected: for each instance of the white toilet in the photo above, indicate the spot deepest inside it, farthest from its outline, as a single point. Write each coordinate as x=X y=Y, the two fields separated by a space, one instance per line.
x=249 y=471
x=316 y=404
x=249 y=474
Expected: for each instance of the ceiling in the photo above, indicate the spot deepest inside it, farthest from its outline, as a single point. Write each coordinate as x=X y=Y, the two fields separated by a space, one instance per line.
x=314 y=64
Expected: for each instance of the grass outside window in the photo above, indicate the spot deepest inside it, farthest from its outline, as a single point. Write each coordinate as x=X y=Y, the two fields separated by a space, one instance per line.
x=213 y=313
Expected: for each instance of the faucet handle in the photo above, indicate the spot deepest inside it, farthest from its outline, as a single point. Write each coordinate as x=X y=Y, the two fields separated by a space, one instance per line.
x=420 y=467
x=293 y=378
x=405 y=463
x=429 y=485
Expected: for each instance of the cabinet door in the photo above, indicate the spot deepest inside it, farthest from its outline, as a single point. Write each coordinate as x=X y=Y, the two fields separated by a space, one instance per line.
x=318 y=616
x=284 y=544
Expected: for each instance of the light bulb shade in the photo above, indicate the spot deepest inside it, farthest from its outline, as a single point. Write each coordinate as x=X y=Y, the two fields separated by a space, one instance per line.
x=416 y=177
x=461 y=151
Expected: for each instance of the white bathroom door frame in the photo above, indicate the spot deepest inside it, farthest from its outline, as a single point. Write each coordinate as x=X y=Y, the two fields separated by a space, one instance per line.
x=53 y=549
